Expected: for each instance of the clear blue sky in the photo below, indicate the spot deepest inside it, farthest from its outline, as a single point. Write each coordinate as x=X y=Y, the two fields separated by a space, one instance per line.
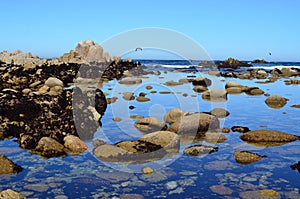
x=243 y=29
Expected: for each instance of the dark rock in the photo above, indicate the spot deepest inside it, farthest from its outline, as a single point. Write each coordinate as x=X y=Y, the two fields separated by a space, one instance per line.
x=201 y=81
x=296 y=166
x=259 y=61
x=241 y=129
x=49 y=147
x=232 y=63
x=197 y=150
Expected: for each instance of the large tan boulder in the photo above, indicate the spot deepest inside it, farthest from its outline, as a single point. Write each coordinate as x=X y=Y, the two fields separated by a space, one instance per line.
x=91 y=51
x=276 y=101
x=193 y=123
x=10 y=194
x=7 y=166
x=74 y=144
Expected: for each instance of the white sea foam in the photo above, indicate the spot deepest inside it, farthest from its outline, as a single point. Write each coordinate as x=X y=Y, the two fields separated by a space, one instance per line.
x=272 y=67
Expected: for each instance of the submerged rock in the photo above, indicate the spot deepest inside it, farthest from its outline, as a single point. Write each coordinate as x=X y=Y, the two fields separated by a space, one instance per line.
x=268 y=137
x=130 y=80
x=219 y=112
x=215 y=95
x=147 y=170
x=7 y=166
x=148 y=125
x=276 y=101
x=246 y=157
x=10 y=194
x=197 y=150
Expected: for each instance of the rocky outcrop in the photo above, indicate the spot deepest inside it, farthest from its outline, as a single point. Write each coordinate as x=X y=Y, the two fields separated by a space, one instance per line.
x=246 y=157
x=259 y=61
x=49 y=147
x=268 y=137
x=232 y=63
x=173 y=115
x=7 y=166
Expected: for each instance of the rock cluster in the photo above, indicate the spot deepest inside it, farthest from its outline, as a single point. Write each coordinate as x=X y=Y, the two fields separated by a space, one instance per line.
x=37 y=105
x=232 y=63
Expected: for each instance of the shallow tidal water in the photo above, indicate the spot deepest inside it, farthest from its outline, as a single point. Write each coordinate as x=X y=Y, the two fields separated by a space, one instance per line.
x=215 y=175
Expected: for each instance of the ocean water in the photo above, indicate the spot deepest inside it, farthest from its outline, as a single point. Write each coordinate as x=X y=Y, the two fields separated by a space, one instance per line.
x=215 y=175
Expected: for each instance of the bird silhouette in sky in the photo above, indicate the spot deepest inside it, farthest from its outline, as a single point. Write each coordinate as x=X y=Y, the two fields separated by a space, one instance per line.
x=270 y=53
x=137 y=49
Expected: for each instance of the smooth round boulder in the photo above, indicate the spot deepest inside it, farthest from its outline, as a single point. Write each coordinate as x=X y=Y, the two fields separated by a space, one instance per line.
x=219 y=112
x=74 y=144
x=53 y=81
x=130 y=80
x=234 y=90
x=173 y=115
x=276 y=101
x=193 y=123
x=232 y=84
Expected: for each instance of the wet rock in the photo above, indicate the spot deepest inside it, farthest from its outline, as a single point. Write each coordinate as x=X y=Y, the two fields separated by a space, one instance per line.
x=260 y=61
x=197 y=150
x=49 y=147
x=234 y=90
x=98 y=142
x=172 y=83
x=296 y=166
x=128 y=96
x=130 y=80
x=201 y=82
x=74 y=144
x=220 y=189
x=276 y=101
x=136 y=116
x=111 y=100
x=7 y=166
x=148 y=125
x=173 y=115
x=269 y=193
x=142 y=99
x=296 y=106
x=215 y=95
x=166 y=139
x=147 y=170
x=117 y=119
x=232 y=84
x=200 y=89
x=212 y=138
x=255 y=91
x=130 y=196
x=219 y=112
x=191 y=124
x=268 y=137
x=138 y=146
x=108 y=152
x=246 y=157
x=149 y=87
x=241 y=129
x=10 y=194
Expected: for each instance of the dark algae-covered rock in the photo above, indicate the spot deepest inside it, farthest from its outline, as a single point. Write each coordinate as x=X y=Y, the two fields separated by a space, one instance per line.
x=268 y=137
x=246 y=157
x=296 y=166
x=241 y=129
x=197 y=150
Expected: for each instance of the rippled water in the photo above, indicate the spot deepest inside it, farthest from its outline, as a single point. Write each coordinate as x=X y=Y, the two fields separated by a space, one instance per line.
x=209 y=176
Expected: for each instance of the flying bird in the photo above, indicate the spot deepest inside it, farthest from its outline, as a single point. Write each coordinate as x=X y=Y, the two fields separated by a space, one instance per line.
x=270 y=53
x=138 y=49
